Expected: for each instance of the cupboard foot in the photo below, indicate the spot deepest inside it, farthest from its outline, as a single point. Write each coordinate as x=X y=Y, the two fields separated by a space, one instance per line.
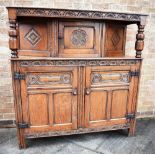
x=22 y=142
x=132 y=129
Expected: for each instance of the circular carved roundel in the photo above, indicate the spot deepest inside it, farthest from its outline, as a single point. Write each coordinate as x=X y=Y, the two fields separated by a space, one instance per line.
x=79 y=38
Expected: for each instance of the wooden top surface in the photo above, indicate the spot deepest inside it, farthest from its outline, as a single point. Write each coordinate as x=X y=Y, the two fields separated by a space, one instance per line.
x=56 y=58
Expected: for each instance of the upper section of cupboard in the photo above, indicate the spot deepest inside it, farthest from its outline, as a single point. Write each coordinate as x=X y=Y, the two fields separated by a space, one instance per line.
x=71 y=33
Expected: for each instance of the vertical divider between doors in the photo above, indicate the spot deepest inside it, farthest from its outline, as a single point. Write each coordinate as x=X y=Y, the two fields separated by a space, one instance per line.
x=81 y=99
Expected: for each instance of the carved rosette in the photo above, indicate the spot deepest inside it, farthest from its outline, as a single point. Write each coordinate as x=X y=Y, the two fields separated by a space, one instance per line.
x=13 y=43
x=79 y=38
x=139 y=45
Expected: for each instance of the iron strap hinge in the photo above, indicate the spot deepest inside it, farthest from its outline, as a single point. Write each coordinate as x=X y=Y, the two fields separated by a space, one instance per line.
x=130 y=116
x=134 y=73
x=19 y=76
x=22 y=125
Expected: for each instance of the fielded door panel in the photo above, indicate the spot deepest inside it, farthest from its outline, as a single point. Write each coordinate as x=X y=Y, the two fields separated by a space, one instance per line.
x=49 y=98
x=108 y=95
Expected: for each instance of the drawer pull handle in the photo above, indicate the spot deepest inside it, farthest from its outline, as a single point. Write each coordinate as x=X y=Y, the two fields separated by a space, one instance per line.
x=87 y=91
x=74 y=92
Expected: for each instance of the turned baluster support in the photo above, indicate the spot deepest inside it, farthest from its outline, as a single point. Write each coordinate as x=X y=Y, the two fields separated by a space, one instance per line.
x=139 y=45
x=13 y=33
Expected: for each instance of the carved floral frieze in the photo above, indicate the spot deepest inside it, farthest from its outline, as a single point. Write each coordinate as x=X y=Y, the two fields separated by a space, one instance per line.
x=30 y=63
x=77 y=14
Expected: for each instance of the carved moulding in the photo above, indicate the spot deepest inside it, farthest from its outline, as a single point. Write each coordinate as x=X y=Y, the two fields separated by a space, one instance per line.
x=99 y=78
x=29 y=63
x=78 y=14
x=50 y=79
x=79 y=131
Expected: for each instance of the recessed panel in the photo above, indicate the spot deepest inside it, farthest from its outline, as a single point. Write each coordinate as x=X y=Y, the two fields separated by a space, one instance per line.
x=115 y=40
x=33 y=36
x=119 y=103
x=98 y=103
x=62 y=108
x=38 y=109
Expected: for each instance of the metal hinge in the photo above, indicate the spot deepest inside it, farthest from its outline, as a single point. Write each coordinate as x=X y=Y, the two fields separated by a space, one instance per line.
x=22 y=125
x=130 y=116
x=134 y=73
x=19 y=76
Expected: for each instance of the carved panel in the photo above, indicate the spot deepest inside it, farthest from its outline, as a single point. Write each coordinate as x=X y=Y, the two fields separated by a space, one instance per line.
x=115 y=38
x=49 y=78
x=109 y=77
x=33 y=37
x=79 y=38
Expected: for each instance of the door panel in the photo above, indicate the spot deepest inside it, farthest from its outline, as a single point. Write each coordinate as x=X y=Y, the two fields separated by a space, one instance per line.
x=79 y=39
x=50 y=105
x=106 y=95
x=97 y=101
x=38 y=110
x=62 y=108
x=119 y=103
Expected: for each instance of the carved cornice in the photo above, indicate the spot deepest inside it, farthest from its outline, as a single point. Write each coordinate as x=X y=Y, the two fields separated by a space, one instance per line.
x=77 y=63
x=66 y=13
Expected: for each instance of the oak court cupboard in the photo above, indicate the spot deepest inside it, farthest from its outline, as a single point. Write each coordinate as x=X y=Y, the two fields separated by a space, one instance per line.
x=70 y=73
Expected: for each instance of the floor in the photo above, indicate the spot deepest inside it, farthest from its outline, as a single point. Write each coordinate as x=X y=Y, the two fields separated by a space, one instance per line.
x=103 y=142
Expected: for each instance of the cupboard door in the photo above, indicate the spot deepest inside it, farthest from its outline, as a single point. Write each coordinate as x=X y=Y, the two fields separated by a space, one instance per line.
x=79 y=39
x=49 y=98
x=107 y=95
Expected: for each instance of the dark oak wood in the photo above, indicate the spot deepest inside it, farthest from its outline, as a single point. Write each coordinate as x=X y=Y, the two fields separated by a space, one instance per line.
x=70 y=73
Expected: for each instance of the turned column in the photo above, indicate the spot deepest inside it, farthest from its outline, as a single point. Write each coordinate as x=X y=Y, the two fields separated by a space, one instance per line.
x=13 y=33
x=13 y=43
x=139 y=45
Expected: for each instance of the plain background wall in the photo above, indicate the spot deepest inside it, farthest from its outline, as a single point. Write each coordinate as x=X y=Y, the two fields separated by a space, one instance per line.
x=146 y=102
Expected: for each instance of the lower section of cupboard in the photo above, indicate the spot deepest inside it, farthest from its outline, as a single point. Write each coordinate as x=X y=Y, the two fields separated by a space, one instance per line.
x=129 y=129
x=53 y=100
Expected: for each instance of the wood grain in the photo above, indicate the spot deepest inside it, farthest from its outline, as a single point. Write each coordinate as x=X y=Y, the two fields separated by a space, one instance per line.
x=76 y=77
